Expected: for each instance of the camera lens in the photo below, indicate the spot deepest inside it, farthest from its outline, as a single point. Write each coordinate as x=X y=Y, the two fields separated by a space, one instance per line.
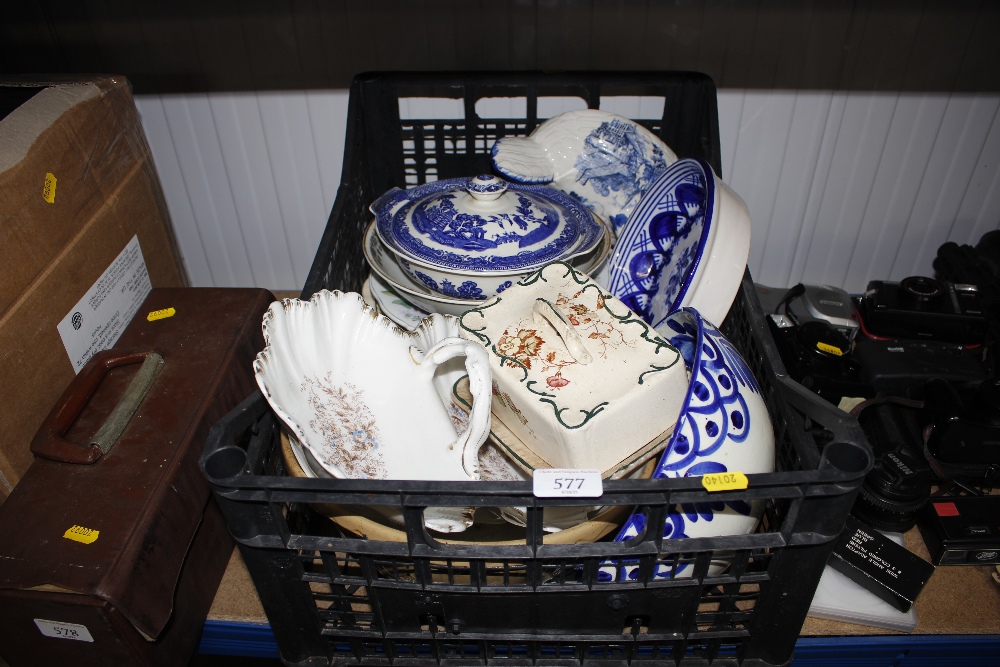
x=894 y=491
x=920 y=289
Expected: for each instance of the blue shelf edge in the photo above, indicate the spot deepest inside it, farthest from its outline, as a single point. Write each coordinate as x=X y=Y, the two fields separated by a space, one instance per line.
x=253 y=640
x=248 y=640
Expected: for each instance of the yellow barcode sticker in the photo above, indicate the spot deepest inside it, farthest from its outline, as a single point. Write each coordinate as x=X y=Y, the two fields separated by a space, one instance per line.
x=725 y=481
x=49 y=189
x=161 y=314
x=81 y=534
x=830 y=349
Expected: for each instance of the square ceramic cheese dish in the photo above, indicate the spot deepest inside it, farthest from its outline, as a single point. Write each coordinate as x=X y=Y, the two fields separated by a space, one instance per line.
x=577 y=376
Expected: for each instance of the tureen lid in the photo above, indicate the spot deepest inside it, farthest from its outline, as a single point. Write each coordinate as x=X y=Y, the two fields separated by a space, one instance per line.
x=484 y=224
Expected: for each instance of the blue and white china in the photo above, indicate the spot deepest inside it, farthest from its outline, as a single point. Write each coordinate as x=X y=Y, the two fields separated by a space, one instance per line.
x=385 y=267
x=471 y=238
x=724 y=426
x=604 y=160
x=351 y=386
x=685 y=244
x=388 y=271
x=578 y=378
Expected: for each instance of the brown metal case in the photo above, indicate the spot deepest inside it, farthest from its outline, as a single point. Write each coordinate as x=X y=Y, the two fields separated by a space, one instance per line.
x=114 y=557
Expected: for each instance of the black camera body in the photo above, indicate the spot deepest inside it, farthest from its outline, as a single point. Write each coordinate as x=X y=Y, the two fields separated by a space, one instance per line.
x=923 y=308
x=818 y=356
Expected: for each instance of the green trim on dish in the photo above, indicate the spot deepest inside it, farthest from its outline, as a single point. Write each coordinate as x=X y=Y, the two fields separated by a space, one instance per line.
x=629 y=318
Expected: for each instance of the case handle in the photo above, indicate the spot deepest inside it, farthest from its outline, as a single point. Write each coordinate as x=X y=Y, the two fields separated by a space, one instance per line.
x=50 y=442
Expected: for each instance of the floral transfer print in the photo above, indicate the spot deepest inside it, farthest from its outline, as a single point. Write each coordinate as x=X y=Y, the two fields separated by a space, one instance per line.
x=524 y=346
x=348 y=428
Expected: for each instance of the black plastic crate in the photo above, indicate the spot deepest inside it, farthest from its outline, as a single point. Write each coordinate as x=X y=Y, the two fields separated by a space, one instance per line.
x=332 y=597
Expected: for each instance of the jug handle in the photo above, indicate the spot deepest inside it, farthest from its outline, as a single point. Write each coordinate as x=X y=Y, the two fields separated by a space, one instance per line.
x=477 y=365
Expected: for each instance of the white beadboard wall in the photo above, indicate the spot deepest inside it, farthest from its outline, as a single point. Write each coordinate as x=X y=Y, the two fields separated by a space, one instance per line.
x=843 y=187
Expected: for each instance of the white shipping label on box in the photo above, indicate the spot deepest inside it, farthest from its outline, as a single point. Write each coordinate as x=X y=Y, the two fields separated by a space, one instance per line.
x=98 y=319
x=64 y=630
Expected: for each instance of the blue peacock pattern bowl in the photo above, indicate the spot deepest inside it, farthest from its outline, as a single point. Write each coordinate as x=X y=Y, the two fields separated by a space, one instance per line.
x=661 y=246
x=724 y=426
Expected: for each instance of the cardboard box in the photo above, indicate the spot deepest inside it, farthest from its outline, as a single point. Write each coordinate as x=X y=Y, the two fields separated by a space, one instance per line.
x=77 y=186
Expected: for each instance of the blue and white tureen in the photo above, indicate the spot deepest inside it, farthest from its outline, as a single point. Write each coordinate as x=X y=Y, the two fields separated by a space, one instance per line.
x=472 y=238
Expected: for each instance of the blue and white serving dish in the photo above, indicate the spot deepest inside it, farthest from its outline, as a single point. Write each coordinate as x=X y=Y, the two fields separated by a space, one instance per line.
x=604 y=160
x=685 y=244
x=388 y=270
x=724 y=426
x=471 y=238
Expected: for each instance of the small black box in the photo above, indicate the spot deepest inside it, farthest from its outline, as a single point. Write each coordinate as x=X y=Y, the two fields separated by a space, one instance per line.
x=890 y=571
x=963 y=530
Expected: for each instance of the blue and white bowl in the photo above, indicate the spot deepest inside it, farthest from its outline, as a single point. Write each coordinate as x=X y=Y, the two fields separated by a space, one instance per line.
x=724 y=426
x=685 y=244
x=603 y=159
x=471 y=238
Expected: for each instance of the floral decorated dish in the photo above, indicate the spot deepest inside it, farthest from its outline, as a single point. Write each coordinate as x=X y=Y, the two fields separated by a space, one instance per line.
x=724 y=426
x=578 y=378
x=472 y=237
x=361 y=396
x=685 y=244
x=604 y=160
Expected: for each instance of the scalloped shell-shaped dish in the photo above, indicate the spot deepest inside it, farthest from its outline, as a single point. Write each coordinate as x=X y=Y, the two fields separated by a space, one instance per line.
x=604 y=160
x=362 y=398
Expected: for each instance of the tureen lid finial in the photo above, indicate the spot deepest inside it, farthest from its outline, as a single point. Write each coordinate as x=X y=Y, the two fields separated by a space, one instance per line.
x=486 y=187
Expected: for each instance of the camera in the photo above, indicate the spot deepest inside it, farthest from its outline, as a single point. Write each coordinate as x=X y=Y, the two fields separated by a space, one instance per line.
x=919 y=307
x=818 y=356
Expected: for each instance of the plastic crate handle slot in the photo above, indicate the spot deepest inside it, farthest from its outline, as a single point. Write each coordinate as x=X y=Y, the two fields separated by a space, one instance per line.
x=223 y=458
x=51 y=443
